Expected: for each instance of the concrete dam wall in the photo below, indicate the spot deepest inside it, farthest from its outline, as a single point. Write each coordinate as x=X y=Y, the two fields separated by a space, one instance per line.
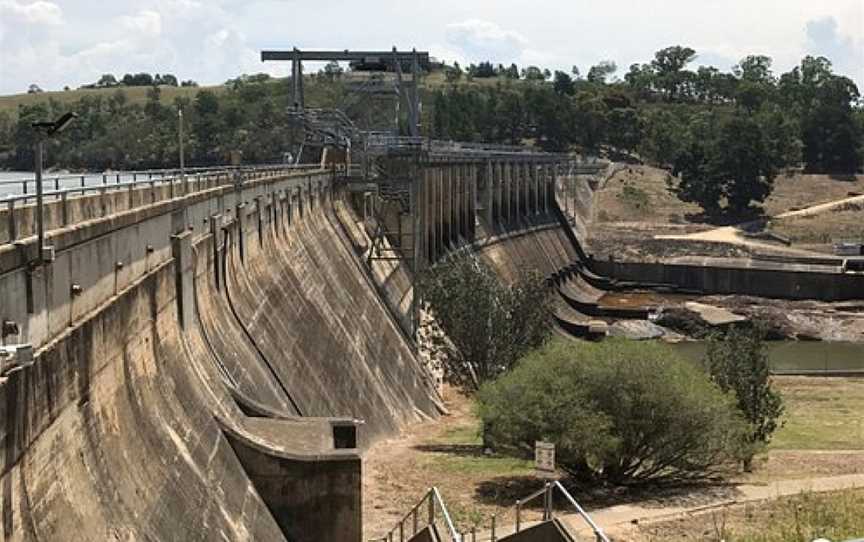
x=177 y=345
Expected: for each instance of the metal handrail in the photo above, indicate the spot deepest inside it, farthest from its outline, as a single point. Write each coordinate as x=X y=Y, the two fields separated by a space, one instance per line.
x=548 y=492
x=164 y=176
x=598 y=532
x=114 y=178
x=430 y=499
x=191 y=183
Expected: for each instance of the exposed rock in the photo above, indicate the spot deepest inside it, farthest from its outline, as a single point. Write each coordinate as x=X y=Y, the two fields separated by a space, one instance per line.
x=715 y=316
x=638 y=330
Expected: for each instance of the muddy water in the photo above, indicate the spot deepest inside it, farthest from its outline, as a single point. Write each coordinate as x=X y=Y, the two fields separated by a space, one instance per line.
x=798 y=357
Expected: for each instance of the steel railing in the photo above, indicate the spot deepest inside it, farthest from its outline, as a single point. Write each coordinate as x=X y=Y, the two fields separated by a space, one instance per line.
x=413 y=522
x=548 y=493
x=191 y=180
x=25 y=188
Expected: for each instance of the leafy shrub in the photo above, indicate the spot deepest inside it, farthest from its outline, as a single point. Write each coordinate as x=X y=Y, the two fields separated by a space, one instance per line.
x=738 y=363
x=489 y=325
x=619 y=411
x=634 y=197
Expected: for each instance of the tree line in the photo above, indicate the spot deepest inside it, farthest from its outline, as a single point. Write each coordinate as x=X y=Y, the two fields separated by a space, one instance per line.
x=143 y=79
x=114 y=132
x=724 y=135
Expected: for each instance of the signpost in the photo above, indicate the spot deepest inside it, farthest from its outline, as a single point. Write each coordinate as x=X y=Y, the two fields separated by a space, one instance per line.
x=544 y=457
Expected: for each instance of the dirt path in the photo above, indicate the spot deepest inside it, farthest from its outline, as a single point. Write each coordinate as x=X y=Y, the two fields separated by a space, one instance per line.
x=732 y=235
x=822 y=207
x=622 y=520
x=386 y=497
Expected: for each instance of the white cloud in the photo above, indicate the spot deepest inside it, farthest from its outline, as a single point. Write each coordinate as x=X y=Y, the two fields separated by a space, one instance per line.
x=39 y=12
x=214 y=40
x=147 y=22
x=845 y=52
x=482 y=40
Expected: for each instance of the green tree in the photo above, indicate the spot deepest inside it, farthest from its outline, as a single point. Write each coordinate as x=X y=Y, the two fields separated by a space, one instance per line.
x=107 y=81
x=641 y=79
x=533 y=73
x=599 y=73
x=664 y=136
x=617 y=411
x=625 y=128
x=738 y=364
x=488 y=324
x=668 y=66
x=589 y=120
x=332 y=70
x=206 y=126
x=728 y=163
x=563 y=83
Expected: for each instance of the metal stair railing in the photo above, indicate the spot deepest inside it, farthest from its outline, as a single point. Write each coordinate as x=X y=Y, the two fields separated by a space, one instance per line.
x=548 y=493
x=413 y=520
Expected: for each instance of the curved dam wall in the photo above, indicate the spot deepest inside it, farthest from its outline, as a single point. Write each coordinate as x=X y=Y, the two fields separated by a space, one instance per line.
x=159 y=407
x=313 y=315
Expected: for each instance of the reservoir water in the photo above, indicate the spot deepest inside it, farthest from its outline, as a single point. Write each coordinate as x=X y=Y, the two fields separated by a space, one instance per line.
x=13 y=182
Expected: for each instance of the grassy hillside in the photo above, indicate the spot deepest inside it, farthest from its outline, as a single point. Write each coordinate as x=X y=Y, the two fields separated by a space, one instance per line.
x=9 y=104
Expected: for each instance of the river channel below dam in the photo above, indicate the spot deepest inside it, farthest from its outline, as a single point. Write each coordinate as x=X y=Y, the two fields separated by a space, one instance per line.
x=797 y=357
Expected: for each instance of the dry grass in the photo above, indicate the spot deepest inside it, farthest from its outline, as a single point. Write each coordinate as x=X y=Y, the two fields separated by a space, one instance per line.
x=447 y=454
x=802 y=518
x=799 y=190
x=823 y=229
x=821 y=414
x=790 y=192
x=640 y=193
x=9 y=104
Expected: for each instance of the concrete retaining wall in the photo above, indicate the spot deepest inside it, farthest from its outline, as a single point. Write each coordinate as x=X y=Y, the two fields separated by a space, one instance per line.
x=775 y=283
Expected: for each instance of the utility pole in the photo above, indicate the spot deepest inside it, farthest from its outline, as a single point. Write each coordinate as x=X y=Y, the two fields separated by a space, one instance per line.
x=40 y=218
x=180 y=141
x=44 y=130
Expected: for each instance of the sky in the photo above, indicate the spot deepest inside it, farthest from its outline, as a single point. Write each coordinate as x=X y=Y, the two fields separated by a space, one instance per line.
x=54 y=43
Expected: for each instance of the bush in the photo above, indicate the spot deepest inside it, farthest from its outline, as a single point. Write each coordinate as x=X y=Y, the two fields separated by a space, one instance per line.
x=617 y=411
x=738 y=364
x=489 y=325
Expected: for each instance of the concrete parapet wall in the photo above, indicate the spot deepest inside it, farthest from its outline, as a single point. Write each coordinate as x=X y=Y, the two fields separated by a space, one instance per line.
x=777 y=283
x=97 y=258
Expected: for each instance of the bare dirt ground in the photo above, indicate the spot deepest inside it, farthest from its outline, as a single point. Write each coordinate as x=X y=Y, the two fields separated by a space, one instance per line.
x=823 y=415
x=635 y=205
x=445 y=453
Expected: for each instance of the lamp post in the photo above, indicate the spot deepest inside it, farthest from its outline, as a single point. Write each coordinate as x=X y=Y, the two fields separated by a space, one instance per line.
x=180 y=142
x=44 y=130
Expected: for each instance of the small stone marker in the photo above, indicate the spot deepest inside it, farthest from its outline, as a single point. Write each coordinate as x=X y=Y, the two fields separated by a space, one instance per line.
x=544 y=456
